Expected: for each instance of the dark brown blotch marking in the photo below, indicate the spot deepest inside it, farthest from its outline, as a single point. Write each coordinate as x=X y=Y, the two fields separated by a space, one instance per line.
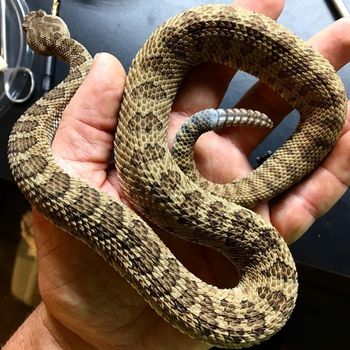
x=288 y=307
x=181 y=305
x=195 y=198
x=90 y=199
x=26 y=125
x=58 y=184
x=270 y=240
x=139 y=230
x=54 y=27
x=278 y=50
x=171 y=177
x=246 y=304
x=160 y=64
x=276 y=299
x=135 y=160
x=333 y=125
x=111 y=218
x=178 y=42
x=171 y=276
x=263 y=292
x=57 y=94
x=207 y=307
x=142 y=266
x=28 y=169
x=37 y=111
x=192 y=289
x=153 y=152
x=214 y=215
x=281 y=270
x=23 y=144
x=149 y=90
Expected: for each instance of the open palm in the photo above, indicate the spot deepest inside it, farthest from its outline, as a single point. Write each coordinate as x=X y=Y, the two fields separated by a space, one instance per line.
x=88 y=304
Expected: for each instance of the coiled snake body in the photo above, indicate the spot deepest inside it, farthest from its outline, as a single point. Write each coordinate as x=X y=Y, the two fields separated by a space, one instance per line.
x=153 y=181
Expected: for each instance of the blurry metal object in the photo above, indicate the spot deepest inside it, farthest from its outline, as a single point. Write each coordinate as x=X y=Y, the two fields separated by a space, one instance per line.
x=11 y=73
x=340 y=7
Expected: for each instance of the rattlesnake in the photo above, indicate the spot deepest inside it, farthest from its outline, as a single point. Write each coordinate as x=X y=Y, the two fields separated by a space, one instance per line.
x=188 y=206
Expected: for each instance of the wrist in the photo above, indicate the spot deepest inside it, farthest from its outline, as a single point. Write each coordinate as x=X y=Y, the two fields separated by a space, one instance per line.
x=42 y=331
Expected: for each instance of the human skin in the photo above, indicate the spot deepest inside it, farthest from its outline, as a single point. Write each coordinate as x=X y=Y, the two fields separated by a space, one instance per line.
x=85 y=303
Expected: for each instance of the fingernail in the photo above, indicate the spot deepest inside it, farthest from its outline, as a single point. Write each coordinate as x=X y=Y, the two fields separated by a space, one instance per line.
x=102 y=63
x=105 y=66
x=101 y=56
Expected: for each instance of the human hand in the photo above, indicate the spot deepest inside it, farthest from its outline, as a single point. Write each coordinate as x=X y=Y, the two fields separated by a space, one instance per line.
x=89 y=304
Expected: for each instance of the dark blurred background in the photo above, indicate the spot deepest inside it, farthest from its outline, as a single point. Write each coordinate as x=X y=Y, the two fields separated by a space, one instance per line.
x=322 y=317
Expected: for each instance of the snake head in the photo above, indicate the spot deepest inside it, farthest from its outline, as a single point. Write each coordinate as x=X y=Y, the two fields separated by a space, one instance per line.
x=43 y=31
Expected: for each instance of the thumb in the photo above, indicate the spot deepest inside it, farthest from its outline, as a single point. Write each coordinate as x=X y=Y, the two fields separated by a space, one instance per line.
x=84 y=139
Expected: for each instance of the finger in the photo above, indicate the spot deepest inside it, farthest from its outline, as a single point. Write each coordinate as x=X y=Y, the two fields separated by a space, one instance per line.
x=206 y=84
x=331 y=43
x=84 y=139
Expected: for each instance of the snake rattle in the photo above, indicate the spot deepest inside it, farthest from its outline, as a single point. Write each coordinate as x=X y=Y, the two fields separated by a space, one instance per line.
x=165 y=186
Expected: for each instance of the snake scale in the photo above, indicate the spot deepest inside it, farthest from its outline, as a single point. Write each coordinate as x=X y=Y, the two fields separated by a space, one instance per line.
x=155 y=182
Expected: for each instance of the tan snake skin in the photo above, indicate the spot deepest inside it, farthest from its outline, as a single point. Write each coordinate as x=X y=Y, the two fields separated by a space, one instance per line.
x=265 y=296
